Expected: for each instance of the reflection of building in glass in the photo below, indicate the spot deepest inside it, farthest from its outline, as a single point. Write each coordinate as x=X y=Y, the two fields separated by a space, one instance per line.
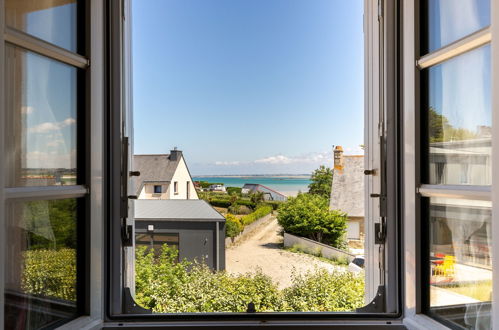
x=462 y=230
x=461 y=162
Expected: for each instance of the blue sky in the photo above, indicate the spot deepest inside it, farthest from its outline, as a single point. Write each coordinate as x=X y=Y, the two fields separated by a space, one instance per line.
x=248 y=86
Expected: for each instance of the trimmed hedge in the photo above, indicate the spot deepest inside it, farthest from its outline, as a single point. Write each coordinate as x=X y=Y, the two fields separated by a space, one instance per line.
x=245 y=202
x=259 y=213
x=234 y=190
x=220 y=203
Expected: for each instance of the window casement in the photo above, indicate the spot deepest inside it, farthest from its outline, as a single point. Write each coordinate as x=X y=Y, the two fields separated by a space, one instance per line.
x=157 y=189
x=44 y=207
x=382 y=192
x=448 y=133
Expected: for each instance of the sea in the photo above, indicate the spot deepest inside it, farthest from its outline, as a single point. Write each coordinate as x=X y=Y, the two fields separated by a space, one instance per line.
x=287 y=185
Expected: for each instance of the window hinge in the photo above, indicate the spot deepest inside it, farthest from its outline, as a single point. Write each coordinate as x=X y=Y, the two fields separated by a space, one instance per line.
x=127 y=234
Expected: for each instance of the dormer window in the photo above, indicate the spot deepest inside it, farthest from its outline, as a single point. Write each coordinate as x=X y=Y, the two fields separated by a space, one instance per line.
x=157 y=189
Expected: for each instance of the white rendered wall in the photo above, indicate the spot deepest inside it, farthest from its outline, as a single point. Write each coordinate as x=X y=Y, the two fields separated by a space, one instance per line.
x=182 y=176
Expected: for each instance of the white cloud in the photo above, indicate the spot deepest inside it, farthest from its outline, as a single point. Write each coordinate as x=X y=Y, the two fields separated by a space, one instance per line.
x=279 y=159
x=228 y=163
x=51 y=126
x=55 y=143
x=53 y=159
x=306 y=159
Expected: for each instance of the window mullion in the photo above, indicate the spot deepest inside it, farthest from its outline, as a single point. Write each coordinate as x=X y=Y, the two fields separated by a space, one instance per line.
x=44 y=48
x=456 y=191
x=475 y=40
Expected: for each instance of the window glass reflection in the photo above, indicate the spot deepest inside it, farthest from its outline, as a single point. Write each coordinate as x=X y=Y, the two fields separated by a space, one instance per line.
x=461 y=261
x=40 y=121
x=40 y=277
x=54 y=21
x=460 y=120
x=450 y=20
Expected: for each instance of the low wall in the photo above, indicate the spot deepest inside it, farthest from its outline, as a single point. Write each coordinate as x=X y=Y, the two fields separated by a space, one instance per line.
x=314 y=247
x=248 y=230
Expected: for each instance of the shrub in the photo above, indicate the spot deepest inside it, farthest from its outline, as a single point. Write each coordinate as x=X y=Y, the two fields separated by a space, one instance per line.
x=50 y=273
x=323 y=291
x=220 y=203
x=309 y=216
x=259 y=213
x=167 y=286
x=239 y=209
x=275 y=204
x=245 y=202
x=234 y=190
x=232 y=225
x=321 y=182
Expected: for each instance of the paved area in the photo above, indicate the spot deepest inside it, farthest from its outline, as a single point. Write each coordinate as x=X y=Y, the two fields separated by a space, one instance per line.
x=262 y=250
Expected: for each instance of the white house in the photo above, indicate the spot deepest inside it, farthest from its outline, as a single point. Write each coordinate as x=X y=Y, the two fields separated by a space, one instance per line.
x=163 y=176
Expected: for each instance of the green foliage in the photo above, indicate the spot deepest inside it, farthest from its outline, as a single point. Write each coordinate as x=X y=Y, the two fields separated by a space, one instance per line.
x=322 y=181
x=256 y=197
x=50 y=273
x=440 y=130
x=309 y=216
x=275 y=204
x=259 y=213
x=232 y=225
x=167 y=286
x=245 y=202
x=206 y=184
x=220 y=203
x=234 y=190
x=323 y=291
x=239 y=209
x=60 y=221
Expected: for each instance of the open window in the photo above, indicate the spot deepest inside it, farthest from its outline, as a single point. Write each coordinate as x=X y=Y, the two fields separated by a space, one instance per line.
x=364 y=253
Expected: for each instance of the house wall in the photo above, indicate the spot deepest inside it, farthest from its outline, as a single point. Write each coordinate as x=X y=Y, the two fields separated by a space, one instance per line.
x=355 y=227
x=197 y=239
x=182 y=176
x=147 y=191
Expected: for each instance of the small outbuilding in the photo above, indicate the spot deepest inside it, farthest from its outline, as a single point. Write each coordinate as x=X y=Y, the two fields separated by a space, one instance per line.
x=192 y=226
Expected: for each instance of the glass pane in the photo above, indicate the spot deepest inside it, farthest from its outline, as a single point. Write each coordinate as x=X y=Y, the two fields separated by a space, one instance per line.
x=40 y=130
x=40 y=269
x=461 y=261
x=460 y=120
x=450 y=20
x=54 y=21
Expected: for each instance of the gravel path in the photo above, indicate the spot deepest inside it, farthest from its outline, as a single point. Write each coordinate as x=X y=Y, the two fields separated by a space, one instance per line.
x=262 y=250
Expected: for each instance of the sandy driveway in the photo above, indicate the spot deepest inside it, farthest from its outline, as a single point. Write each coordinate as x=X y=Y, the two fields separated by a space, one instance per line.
x=262 y=250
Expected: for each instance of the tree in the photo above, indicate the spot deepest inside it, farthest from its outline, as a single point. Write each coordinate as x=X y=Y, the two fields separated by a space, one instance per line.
x=309 y=216
x=322 y=180
x=441 y=131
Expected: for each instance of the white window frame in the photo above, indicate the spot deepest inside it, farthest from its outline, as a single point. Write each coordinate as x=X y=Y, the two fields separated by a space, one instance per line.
x=413 y=304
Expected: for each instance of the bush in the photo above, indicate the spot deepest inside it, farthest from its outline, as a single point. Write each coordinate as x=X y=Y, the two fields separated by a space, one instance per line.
x=274 y=204
x=234 y=190
x=220 y=203
x=232 y=226
x=239 y=209
x=259 y=213
x=167 y=286
x=50 y=273
x=245 y=202
x=322 y=291
x=309 y=216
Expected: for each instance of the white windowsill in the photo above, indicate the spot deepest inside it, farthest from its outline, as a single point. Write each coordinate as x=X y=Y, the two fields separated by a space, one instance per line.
x=83 y=323
x=423 y=322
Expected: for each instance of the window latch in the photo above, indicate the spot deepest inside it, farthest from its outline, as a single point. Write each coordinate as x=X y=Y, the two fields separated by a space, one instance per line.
x=379 y=233
x=127 y=235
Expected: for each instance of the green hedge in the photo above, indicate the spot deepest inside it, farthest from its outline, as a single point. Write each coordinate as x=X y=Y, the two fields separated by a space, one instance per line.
x=167 y=286
x=259 y=213
x=220 y=203
x=50 y=273
x=245 y=202
x=234 y=190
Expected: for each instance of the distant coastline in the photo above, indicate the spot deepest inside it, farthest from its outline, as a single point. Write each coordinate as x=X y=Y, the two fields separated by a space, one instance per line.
x=288 y=184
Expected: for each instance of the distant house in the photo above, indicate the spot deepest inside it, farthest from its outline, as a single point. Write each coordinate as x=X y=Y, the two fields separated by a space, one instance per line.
x=191 y=226
x=163 y=176
x=268 y=194
x=347 y=193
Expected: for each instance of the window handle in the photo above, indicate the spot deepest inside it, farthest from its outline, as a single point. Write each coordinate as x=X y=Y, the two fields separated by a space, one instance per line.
x=369 y=172
x=134 y=173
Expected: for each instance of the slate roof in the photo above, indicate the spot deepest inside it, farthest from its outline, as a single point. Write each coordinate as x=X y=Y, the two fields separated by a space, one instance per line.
x=175 y=209
x=153 y=168
x=347 y=193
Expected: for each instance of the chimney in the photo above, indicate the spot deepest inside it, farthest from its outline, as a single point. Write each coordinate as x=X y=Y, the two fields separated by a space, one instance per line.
x=175 y=154
x=338 y=158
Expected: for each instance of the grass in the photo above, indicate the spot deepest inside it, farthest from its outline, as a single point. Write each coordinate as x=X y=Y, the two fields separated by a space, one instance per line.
x=478 y=290
x=341 y=261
